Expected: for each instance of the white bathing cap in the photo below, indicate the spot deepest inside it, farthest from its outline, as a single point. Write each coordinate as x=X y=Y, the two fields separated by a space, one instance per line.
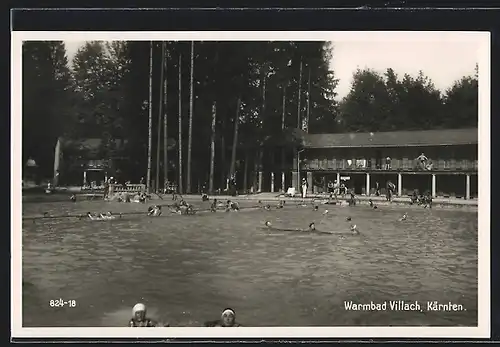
x=228 y=311
x=139 y=307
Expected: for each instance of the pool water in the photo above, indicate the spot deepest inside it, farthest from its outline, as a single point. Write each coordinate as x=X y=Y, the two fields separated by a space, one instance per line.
x=187 y=269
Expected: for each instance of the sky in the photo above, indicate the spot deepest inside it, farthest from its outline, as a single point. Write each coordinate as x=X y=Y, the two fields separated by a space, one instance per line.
x=444 y=61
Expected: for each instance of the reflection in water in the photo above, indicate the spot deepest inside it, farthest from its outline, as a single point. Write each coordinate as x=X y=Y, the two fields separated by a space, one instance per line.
x=187 y=269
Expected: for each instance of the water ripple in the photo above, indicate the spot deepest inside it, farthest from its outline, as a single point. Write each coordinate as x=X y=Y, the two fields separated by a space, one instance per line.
x=186 y=269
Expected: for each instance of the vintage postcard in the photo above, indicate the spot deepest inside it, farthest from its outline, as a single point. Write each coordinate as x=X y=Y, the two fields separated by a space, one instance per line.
x=275 y=184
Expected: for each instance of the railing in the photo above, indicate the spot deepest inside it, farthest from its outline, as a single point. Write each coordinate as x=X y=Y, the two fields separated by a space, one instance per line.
x=403 y=164
x=127 y=188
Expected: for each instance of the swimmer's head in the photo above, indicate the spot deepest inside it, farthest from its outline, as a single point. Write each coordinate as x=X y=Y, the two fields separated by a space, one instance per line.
x=326 y=212
x=312 y=226
x=268 y=206
x=348 y=219
x=228 y=317
x=139 y=311
x=268 y=223
x=316 y=208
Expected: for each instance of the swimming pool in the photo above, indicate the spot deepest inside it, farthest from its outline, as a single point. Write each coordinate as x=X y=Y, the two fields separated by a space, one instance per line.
x=186 y=269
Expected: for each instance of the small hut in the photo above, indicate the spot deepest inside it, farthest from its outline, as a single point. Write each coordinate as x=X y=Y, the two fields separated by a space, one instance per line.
x=30 y=173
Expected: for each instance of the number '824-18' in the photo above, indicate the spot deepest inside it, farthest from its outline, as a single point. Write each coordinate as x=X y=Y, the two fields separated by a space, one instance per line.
x=62 y=303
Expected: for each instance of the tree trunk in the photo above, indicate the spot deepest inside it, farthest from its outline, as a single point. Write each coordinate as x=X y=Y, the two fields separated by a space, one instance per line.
x=263 y=117
x=190 y=131
x=165 y=112
x=179 y=184
x=299 y=125
x=256 y=169
x=308 y=100
x=212 y=150
x=245 y=173
x=160 y=111
x=235 y=139
x=223 y=161
x=150 y=116
x=283 y=132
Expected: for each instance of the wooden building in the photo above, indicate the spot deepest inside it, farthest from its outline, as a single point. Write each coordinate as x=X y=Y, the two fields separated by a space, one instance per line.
x=369 y=158
x=84 y=162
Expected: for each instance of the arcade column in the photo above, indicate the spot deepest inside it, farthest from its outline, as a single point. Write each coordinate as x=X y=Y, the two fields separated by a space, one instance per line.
x=295 y=181
x=260 y=182
x=467 y=186
x=367 y=184
x=310 y=182
x=433 y=186
x=400 y=184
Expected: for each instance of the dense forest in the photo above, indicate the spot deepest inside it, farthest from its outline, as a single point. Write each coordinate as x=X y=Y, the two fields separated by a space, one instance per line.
x=227 y=107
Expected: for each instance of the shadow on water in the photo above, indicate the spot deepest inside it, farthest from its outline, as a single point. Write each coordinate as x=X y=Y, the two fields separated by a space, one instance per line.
x=187 y=268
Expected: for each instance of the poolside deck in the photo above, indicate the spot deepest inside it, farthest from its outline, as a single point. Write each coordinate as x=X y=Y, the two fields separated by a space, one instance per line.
x=403 y=199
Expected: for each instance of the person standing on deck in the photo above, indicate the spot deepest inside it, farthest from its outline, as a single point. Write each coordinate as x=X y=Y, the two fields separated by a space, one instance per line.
x=304 y=188
x=331 y=188
x=388 y=163
x=390 y=188
x=423 y=160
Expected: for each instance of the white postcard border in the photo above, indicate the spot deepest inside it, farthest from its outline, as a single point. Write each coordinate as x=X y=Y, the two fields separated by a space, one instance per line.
x=483 y=329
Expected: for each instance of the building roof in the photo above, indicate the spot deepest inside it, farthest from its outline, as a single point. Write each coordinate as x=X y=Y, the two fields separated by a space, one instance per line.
x=441 y=137
x=89 y=143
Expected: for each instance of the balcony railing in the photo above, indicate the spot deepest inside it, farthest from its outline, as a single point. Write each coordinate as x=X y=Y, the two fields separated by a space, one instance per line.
x=403 y=164
x=129 y=188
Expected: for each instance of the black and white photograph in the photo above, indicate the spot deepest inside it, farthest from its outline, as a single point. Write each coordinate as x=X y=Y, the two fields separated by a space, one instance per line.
x=284 y=184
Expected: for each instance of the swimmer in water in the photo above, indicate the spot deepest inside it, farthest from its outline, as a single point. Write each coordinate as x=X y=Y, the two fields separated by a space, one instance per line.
x=73 y=198
x=405 y=216
x=139 y=318
x=280 y=204
x=93 y=216
x=228 y=320
x=315 y=208
x=108 y=215
x=267 y=207
x=312 y=227
x=190 y=209
x=372 y=205
x=234 y=206
x=213 y=206
x=268 y=224
x=154 y=211
x=354 y=229
x=348 y=219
